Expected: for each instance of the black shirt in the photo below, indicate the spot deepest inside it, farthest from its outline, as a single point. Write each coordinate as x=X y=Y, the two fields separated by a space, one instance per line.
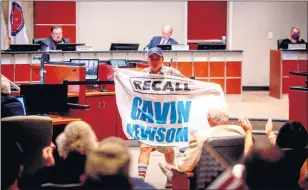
x=11 y=106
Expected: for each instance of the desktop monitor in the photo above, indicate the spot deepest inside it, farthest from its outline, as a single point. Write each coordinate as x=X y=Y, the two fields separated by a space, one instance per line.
x=24 y=47
x=45 y=98
x=22 y=100
x=68 y=46
x=122 y=46
x=208 y=46
x=165 y=46
x=118 y=62
x=91 y=67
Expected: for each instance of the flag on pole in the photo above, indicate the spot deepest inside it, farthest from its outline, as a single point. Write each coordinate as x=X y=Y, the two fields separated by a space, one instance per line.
x=225 y=181
x=4 y=36
x=16 y=24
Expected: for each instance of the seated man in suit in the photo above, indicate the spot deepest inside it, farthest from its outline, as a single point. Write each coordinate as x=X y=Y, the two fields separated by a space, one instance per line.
x=10 y=106
x=54 y=39
x=294 y=37
x=217 y=118
x=164 y=39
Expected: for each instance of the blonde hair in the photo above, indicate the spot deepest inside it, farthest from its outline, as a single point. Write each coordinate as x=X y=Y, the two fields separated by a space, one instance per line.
x=77 y=136
x=5 y=86
x=293 y=27
x=110 y=158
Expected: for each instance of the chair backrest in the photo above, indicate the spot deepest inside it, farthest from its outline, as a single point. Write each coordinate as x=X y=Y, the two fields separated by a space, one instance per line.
x=292 y=162
x=10 y=157
x=37 y=40
x=218 y=154
x=32 y=133
x=231 y=148
x=50 y=186
x=279 y=43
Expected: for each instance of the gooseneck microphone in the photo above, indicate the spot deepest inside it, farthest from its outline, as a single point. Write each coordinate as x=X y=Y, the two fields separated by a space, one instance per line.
x=171 y=60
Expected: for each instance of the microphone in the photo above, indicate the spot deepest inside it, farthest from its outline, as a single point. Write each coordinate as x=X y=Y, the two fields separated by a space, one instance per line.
x=171 y=60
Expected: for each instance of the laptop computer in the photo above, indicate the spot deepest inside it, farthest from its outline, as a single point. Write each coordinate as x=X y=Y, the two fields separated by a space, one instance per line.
x=24 y=47
x=123 y=46
x=68 y=46
x=22 y=100
x=165 y=46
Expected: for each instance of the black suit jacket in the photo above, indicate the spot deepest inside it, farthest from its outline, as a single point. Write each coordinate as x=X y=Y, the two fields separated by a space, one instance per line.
x=48 y=42
x=11 y=106
x=301 y=41
x=284 y=43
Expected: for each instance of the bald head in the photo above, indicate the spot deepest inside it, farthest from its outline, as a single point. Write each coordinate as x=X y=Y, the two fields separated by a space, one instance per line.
x=167 y=32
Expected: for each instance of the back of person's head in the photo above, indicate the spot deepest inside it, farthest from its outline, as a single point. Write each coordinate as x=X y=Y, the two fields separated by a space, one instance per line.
x=218 y=114
x=5 y=86
x=110 y=158
x=263 y=167
x=77 y=136
x=292 y=135
x=109 y=162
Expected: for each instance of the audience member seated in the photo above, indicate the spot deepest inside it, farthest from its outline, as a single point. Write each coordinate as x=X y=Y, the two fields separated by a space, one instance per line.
x=217 y=118
x=294 y=36
x=73 y=144
x=54 y=39
x=10 y=106
x=107 y=167
x=292 y=135
x=265 y=168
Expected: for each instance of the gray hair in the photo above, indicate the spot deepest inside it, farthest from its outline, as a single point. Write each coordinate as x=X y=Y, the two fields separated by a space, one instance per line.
x=5 y=86
x=77 y=136
x=218 y=113
x=110 y=158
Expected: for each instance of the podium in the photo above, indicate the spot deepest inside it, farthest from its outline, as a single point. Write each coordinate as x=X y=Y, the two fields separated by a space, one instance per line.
x=282 y=62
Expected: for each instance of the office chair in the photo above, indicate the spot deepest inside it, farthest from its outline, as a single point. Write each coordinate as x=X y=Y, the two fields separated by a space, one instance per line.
x=10 y=158
x=228 y=150
x=32 y=133
x=37 y=40
x=279 y=43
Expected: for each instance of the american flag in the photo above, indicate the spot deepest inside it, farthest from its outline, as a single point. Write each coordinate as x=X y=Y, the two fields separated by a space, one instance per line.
x=226 y=180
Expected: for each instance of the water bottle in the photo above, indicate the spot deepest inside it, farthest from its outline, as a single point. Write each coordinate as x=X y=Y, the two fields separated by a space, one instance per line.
x=224 y=39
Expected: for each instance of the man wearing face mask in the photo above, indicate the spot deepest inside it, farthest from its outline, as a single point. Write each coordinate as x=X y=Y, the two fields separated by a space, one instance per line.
x=54 y=39
x=294 y=37
x=164 y=39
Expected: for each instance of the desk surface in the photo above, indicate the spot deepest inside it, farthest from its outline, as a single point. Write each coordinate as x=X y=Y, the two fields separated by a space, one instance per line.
x=72 y=95
x=62 y=120
x=128 y=51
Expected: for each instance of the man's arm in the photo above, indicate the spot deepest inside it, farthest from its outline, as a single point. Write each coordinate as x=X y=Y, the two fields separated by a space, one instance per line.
x=174 y=41
x=150 y=45
x=44 y=45
x=191 y=157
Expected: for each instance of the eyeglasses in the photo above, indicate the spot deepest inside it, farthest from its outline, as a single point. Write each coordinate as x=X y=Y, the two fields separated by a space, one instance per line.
x=57 y=33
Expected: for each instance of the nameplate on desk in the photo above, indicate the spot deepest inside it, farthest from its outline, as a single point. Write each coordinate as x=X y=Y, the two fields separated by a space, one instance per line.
x=297 y=46
x=178 y=47
x=84 y=48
